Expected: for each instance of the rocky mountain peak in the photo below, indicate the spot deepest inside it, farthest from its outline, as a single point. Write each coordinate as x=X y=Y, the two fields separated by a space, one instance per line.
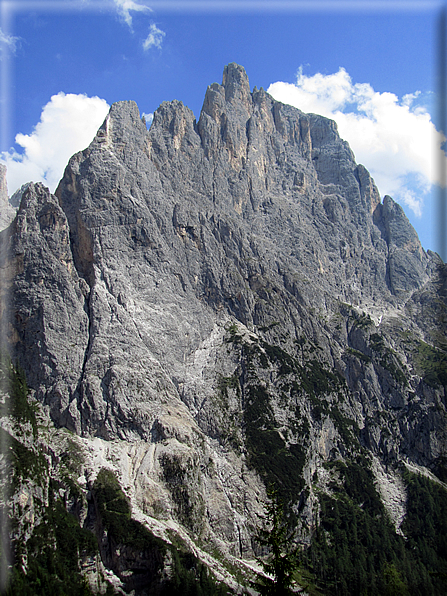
x=120 y=126
x=236 y=84
x=213 y=306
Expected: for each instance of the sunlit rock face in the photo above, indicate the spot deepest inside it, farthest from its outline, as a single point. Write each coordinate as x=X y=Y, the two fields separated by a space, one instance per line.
x=7 y=210
x=227 y=302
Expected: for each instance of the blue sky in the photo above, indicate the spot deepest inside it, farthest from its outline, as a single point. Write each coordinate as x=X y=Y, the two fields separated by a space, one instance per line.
x=370 y=65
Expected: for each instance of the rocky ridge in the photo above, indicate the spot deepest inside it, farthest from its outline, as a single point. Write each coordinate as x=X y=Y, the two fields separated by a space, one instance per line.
x=218 y=304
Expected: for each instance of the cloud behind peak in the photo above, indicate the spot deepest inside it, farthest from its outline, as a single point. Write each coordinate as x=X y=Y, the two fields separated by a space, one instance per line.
x=67 y=125
x=394 y=138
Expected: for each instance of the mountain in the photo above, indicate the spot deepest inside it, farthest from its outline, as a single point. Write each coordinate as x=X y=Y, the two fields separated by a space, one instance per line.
x=206 y=308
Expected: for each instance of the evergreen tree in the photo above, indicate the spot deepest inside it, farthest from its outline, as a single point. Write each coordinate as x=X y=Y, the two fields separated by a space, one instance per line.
x=394 y=586
x=281 y=562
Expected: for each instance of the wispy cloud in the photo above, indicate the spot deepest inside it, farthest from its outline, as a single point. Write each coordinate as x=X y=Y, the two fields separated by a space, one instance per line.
x=394 y=138
x=148 y=118
x=67 y=125
x=156 y=35
x=8 y=41
x=154 y=39
x=125 y=7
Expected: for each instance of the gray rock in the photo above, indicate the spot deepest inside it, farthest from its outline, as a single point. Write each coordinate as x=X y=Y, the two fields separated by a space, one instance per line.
x=48 y=300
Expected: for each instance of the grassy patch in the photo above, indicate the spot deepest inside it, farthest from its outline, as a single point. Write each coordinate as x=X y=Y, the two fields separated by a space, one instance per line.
x=432 y=362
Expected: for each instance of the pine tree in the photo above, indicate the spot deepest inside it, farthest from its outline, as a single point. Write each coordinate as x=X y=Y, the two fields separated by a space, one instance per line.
x=281 y=562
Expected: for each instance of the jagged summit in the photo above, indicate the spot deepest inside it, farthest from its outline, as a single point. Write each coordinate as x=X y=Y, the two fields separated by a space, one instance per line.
x=234 y=75
x=235 y=82
x=214 y=305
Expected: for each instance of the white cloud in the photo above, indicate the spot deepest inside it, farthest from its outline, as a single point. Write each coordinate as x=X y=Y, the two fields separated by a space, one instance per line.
x=154 y=39
x=68 y=124
x=126 y=6
x=395 y=139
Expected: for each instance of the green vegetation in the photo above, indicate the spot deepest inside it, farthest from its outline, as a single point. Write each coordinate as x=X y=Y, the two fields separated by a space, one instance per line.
x=189 y=506
x=268 y=453
x=25 y=463
x=359 y=355
x=266 y=328
x=356 y=550
x=376 y=342
x=229 y=431
x=391 y=363
x=226 y=383
x=72 y=458
x=361 y=321
x=191 y=578
x=432 y=362
x=53 y=554
x=233 y=330
x=57 y=542
x=439 y=468
x=388 y=359
x=114 y=511
x=425 y=525
x=281 y=563
x=295 y=378
x=348 y=429
x=17 y=403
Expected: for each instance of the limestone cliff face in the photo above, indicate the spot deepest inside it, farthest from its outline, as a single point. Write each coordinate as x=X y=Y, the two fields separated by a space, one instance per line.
x=224 y=299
